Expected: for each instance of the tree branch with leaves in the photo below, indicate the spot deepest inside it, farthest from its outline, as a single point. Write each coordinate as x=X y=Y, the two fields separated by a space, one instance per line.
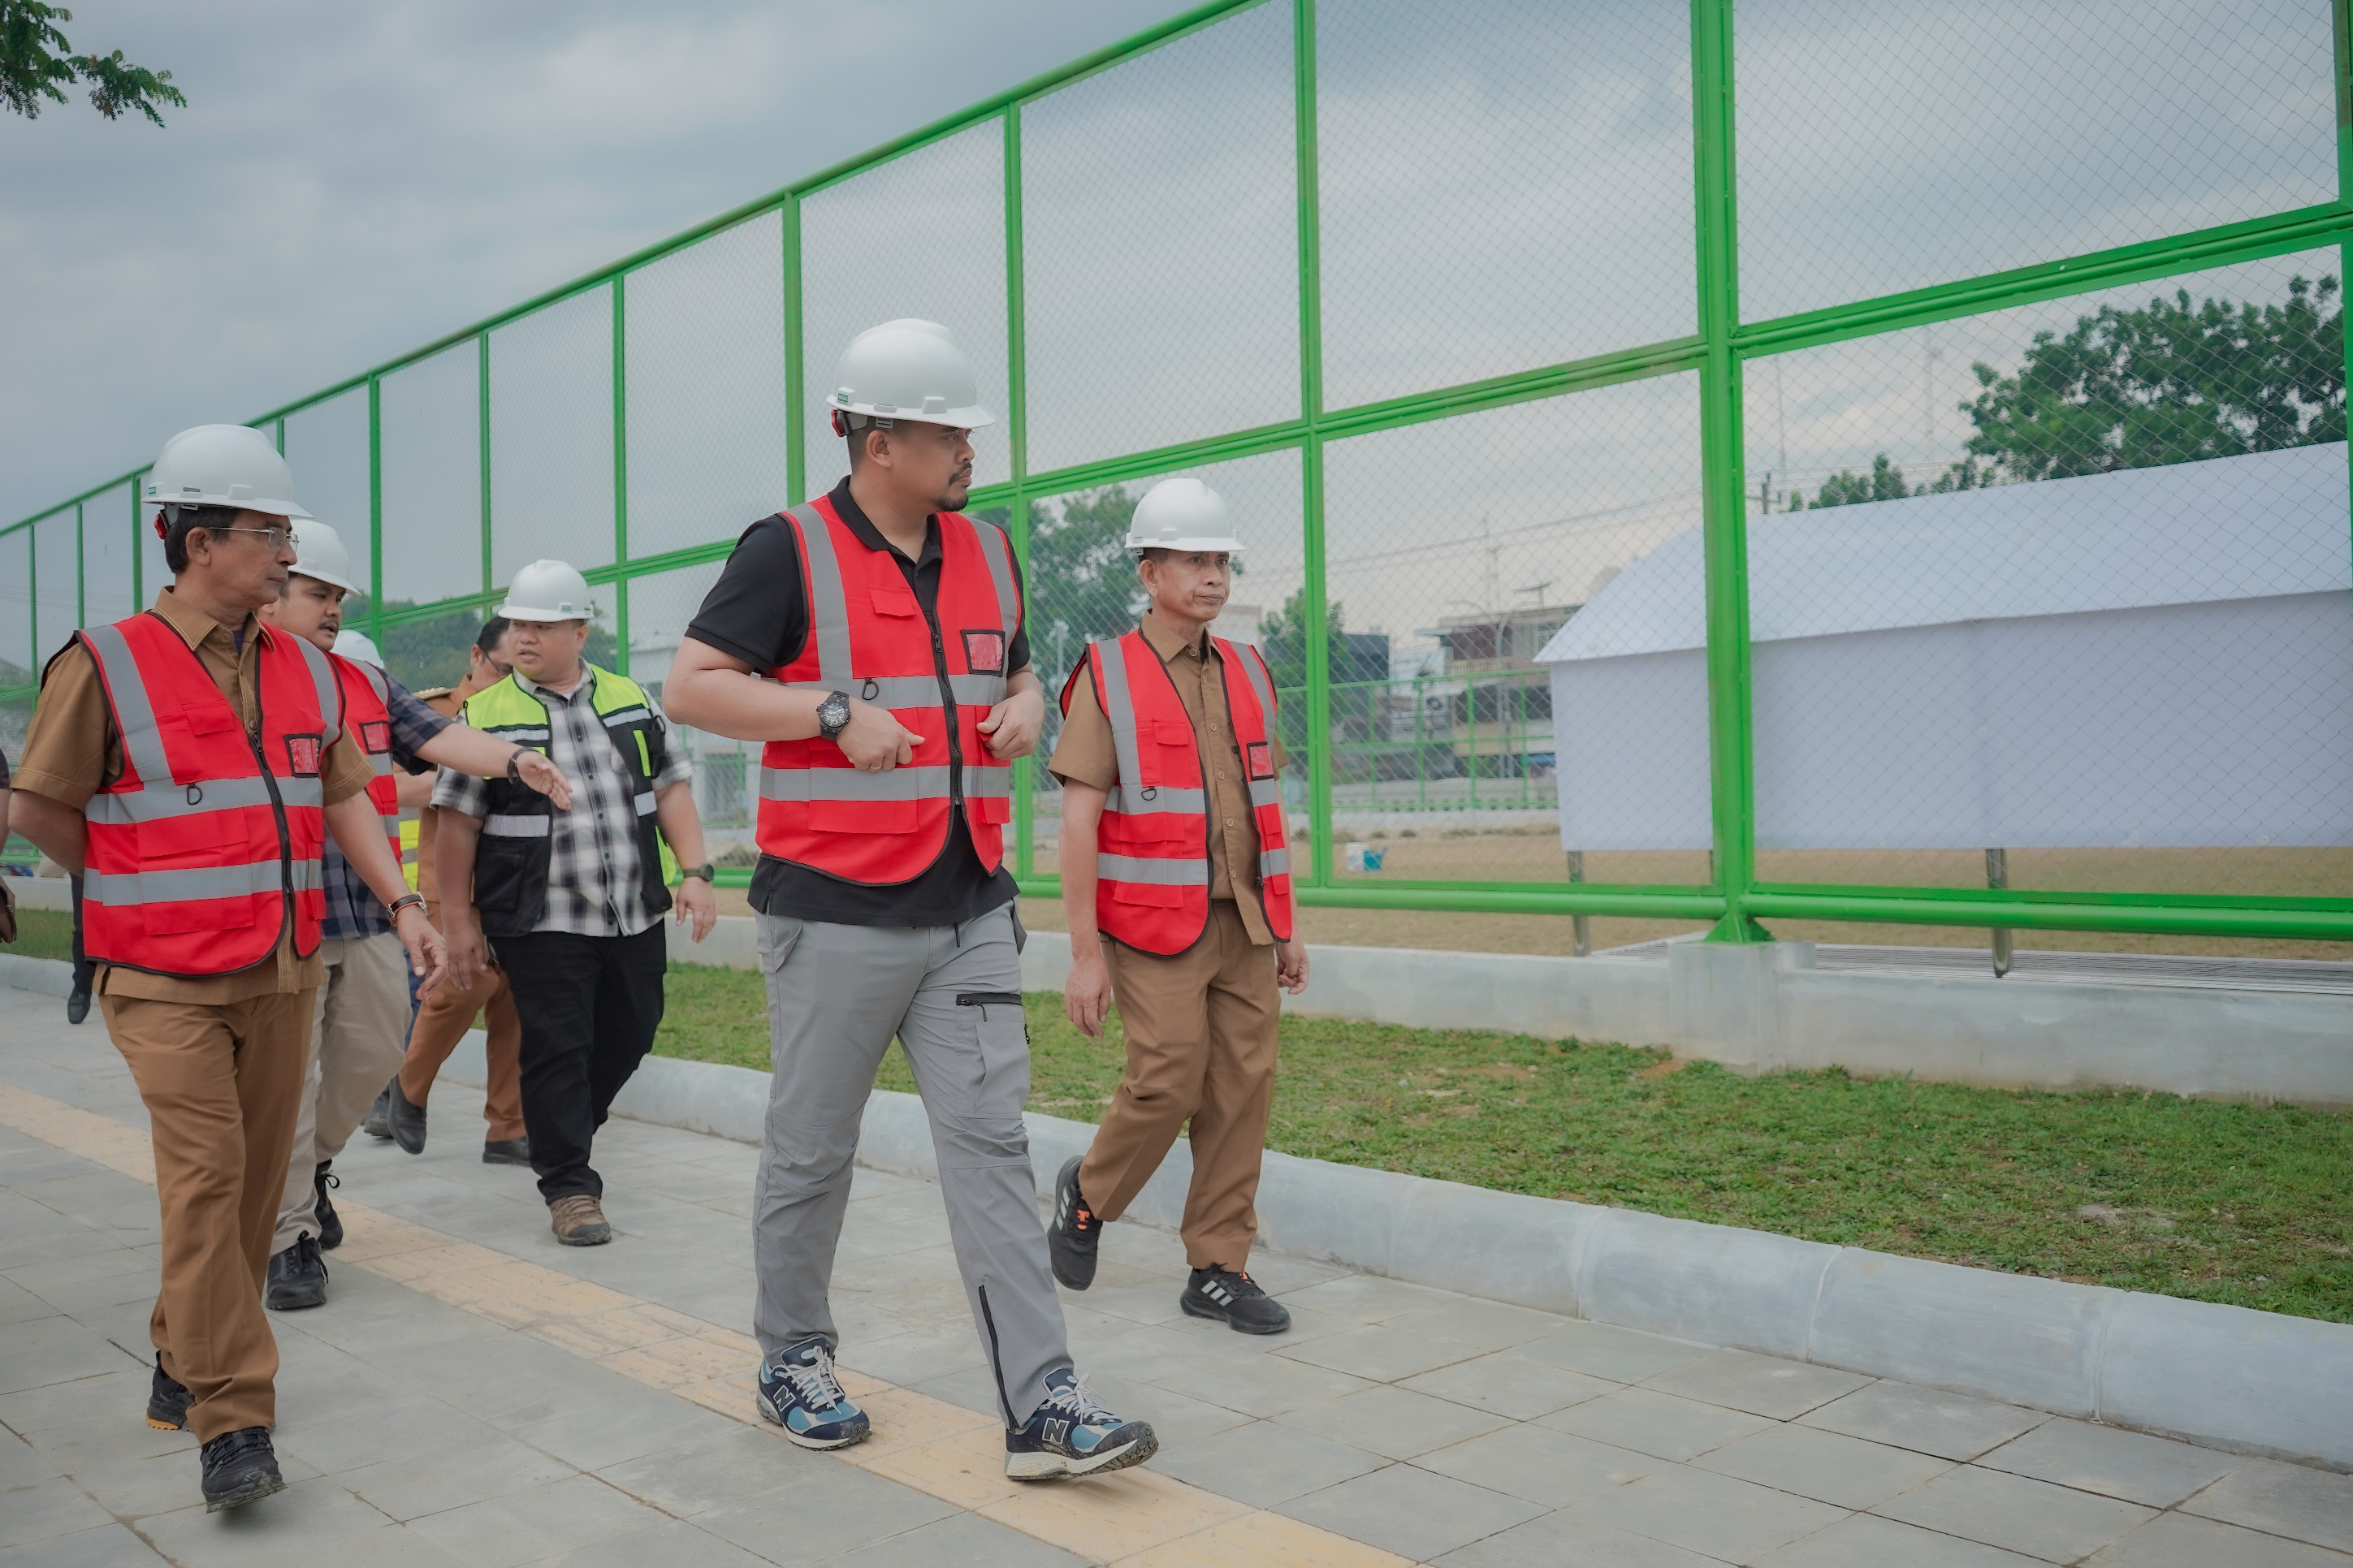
x=37 y=62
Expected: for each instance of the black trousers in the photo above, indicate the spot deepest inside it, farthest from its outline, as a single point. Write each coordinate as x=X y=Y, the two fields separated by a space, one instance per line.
x=589 y=1006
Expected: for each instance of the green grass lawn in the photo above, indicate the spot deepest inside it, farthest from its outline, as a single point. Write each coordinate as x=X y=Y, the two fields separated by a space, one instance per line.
x=2215 y=1201
x=42 y=933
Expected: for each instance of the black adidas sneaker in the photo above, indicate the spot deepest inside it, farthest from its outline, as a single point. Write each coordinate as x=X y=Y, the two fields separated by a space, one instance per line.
x=1235 y=1298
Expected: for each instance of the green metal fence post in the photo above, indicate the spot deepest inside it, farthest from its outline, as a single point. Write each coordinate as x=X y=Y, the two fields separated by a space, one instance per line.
x=1725 y=503
x=376 y=505
x=1016 y=443
x=1311 y=455
x=482 y=403
x=82 y=570
x=796 y=369
x=138 y=551
x=2342 y=27
x=621 y=468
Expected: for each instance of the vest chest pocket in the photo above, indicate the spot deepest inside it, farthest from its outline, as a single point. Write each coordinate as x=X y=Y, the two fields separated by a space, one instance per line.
x=1148 y=895
x=201 y=835
x=892 y=602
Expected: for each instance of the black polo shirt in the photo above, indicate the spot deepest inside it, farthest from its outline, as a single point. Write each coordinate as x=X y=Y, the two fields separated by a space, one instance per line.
x=758 y=612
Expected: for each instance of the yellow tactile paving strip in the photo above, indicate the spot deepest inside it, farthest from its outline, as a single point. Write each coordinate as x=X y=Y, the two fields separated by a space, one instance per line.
x=1138 y=1518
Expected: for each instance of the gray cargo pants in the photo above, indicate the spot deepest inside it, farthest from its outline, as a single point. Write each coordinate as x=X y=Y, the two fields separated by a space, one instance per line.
x=836 y=994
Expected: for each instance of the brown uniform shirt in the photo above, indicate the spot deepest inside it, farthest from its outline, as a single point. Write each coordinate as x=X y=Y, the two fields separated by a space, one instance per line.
x=1084 y=753
x=71 y=752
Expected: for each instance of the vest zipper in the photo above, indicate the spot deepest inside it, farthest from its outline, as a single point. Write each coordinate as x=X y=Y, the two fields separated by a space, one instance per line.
x=278 y=804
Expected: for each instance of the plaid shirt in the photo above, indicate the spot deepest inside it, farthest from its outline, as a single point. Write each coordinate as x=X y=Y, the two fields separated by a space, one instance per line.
x=596 y=885
x=353 y=910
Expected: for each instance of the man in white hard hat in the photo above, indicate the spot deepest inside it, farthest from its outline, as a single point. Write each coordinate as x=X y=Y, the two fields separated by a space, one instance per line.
x=900 y=693
x=192 y=762
x=1176 y=869
x=360 y=1027
x=571 y=902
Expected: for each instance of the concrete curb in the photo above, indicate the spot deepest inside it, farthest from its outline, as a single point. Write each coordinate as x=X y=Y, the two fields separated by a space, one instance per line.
x=2256 y=1382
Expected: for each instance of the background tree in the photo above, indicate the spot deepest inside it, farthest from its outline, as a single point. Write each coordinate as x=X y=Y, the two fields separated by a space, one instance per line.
x=1081 y=580
x=2171 y=382
x=37 y=62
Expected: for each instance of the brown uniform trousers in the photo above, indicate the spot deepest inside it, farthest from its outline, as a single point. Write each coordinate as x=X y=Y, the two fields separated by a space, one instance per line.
x=219 y=1060
x=1200 y=1024
x=444 y=1017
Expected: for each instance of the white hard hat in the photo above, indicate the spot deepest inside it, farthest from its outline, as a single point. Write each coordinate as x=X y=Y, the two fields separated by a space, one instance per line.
x=353 y=643
x=223 y=465
x=318 y=553
x=547 y=591
x=1182 y=514
x=909 y=369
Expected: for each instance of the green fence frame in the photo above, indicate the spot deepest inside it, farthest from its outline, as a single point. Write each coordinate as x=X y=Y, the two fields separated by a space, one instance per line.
x=1736 y=901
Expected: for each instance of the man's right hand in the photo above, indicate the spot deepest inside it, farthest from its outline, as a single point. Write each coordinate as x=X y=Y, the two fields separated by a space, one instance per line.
x=469 y=955
x=1086 y=994
x=874 y=741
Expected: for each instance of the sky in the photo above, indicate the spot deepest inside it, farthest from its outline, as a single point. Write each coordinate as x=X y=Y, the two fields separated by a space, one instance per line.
x=348 y=181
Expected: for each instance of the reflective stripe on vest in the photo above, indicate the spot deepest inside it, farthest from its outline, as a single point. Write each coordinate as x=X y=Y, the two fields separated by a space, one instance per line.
x=367 y=703
x=1153 y=845
x=206 y=845
x=868 y=638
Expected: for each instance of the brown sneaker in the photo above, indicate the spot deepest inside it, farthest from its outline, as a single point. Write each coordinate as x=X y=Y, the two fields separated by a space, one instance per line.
x=579 y=1221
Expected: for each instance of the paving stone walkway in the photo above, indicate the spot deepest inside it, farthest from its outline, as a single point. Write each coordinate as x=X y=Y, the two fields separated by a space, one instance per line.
x=474 y=1394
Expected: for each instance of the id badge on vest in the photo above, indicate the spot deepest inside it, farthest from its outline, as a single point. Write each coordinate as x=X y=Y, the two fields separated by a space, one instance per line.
x=984 y=651
x=302 y=753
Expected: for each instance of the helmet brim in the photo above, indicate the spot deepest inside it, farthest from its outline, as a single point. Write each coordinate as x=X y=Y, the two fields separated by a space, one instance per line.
x=975 y=418
x=1223 y=546
x=298 y=570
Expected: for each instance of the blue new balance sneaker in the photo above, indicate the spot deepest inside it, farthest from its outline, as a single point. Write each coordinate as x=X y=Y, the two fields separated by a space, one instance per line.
x=798 y=1392
x=1071 y=1434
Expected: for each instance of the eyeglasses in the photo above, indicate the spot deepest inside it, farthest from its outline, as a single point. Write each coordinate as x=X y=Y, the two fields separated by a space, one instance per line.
x=279 y=538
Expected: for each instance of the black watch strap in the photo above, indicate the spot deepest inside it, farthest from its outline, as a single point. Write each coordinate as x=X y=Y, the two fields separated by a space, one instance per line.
x=833 y=714
x=706 y=872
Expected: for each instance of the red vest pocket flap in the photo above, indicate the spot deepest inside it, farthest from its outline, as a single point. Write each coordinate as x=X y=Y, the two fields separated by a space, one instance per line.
x=865 y=815
x=201 y=835
x=994 y=808
x=201 y=914
x=1156 y=895
x=892 y=602
x=1166 y=733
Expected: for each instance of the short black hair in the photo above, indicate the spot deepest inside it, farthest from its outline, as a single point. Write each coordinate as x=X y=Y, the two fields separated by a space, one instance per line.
x=175 y=521
x=493 y=632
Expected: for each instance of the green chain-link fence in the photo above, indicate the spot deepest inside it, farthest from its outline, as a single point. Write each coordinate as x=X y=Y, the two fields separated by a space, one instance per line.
x=1815 y=461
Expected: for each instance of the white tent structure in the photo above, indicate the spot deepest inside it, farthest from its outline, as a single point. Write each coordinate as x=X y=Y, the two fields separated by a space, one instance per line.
x=2153 y=657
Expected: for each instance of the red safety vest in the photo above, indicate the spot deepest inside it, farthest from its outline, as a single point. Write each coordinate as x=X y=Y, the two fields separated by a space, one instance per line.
x=1153 y=846
x=867 y=636
x=367 y=708
x=207 y=844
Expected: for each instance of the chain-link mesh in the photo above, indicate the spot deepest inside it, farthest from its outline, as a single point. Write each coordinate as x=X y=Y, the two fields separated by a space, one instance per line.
x=17 y=667
x=1461 y=556
x=1887 y=147
x=2056 y=596
x=1160 y=221
x=327 y=448
x=551 y=437
x=57 y=582
x=706 y=388
x=726 y=771
x=1082 y=584
x=1505 y=184
x=108 y=539
x=921 y=236
x=432 y=477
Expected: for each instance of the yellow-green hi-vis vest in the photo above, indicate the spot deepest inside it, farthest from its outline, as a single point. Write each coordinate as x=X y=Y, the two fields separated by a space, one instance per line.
x=511 y=864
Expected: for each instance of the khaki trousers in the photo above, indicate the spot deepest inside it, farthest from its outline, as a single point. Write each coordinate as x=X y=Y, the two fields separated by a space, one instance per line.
x=221 y=1085
x=443 y=1021
x=1200 y=1047
x=357 y=1033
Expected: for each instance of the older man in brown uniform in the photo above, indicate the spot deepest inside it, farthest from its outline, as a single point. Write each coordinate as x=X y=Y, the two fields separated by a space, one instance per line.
x=1198 y=980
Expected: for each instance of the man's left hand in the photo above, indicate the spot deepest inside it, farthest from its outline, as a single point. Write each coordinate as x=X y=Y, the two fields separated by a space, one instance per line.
x=428 y=955
x=1291 y=965
x=537 y=771
x=1012 y=726
x=696 y=901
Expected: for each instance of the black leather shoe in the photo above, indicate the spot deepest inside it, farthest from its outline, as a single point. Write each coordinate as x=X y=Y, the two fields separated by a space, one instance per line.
x=506 y=1151
x=167 y=1401
x=240 y=1467
x=76 y=1007
x=1076 y=1232
x=377 y=1122
x=330 y=1223
x=408 y=1120
x=1235 y=1299
x=298 y=1278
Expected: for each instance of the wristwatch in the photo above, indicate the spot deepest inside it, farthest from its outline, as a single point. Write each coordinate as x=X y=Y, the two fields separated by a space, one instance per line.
x=706 y=871
x=833 y=714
